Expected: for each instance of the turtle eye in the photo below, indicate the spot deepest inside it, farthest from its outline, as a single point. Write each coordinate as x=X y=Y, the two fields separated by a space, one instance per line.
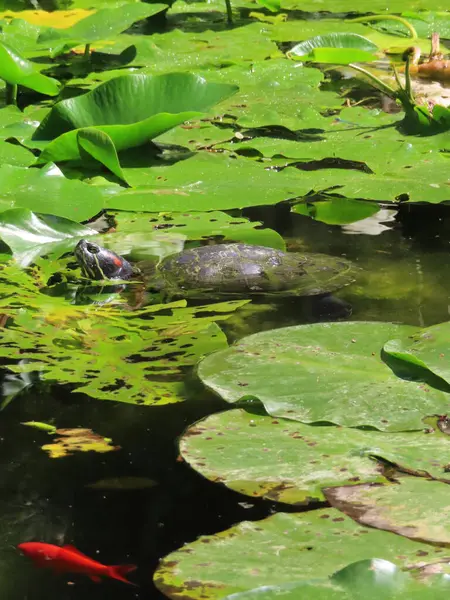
x=92 y=248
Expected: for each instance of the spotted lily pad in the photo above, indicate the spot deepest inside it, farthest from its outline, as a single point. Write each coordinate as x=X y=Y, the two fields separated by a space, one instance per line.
x=324 y=372
x=414 y=507
x=279 y=550
x=291 y=462
x=428 y=348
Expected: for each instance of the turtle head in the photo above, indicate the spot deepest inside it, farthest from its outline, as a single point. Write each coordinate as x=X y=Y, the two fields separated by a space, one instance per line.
x=97 y=262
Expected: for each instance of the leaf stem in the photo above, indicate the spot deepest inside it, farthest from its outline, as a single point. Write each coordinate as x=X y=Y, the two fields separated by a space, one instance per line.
x=406 y=23
x=11 y=93
x=87 y=51
x=229 y=12
x=384 y=86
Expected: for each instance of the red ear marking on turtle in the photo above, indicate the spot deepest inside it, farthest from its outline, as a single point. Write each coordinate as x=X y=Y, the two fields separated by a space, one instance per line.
x=117 y=261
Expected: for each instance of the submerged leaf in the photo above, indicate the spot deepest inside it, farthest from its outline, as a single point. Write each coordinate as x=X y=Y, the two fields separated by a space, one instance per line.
x=78 y=440
x=138 y=357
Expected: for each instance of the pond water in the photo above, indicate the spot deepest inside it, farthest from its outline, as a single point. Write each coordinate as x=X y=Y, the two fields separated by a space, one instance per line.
x=403 y=277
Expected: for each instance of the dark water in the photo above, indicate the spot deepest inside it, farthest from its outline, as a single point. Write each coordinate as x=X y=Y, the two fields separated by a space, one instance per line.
x=403 y=277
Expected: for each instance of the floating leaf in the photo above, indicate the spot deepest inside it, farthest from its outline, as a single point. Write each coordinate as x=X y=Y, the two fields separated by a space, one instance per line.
x=100 y=146
x=30 y=235
x=415 y=508
x=50 y=429
x=353 y=41
x=286 y=370
x=17 y=70
x=48 y=192
x=336 y=211
x=427 y=348
x=303 y=546
x=78 y=440
x=139 y=230
x=100 y=25
x=290 y=462
x=131 y=110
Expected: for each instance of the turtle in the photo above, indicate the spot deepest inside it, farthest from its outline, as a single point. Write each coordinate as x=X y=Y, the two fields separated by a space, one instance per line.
x=231 y=269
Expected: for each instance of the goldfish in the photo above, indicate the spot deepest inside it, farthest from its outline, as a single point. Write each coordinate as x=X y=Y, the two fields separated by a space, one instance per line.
x=67 y=559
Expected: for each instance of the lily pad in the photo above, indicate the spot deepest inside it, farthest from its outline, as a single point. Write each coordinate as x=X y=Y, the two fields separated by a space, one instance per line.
x=333 y=40
x=131 y=110
x=30 y=235
x=101 y=25
x=415 y=508
x=324 y=372
x=427 y=348
x=132 y=98
x=303 y=546
x=48 y=191
x=277 y=93
x=192 y=185
x=291 y=462
x=139 y=230
x=17 y=70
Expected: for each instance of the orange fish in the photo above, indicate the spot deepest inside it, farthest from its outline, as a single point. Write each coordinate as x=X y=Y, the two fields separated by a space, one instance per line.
x=67 y=559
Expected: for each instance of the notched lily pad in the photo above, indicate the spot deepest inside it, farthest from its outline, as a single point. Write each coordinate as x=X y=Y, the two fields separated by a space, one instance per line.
x=78 y=440
x=325 y=372
x=415 y=508
x=278 y=550
x=428 y=348
x=291 y=462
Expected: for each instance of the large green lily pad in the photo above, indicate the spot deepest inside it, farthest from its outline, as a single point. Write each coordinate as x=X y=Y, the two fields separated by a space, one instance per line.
x=277 y=93
x=131 y=110
x=324 y=372
x=291 y=462
x=374 y=579
x=17 y=70
x=30 y=235
x=129 y=99
x=101 y=25
x=415 y=508
x=205 y=182
x=366 y=6
x=48 y=191
x=278 y=550
x=428 y=348
x=143 y=230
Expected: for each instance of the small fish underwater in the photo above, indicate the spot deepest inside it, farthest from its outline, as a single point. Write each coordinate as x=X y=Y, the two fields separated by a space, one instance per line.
x=67 y=559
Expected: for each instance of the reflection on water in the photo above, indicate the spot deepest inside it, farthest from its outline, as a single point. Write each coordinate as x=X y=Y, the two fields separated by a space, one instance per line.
x=404 y=276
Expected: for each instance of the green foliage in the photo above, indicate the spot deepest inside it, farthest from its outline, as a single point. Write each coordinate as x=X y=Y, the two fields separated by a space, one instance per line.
x=101 y=25
x=44 y=189
x=129 y=111
x=83 y=345
x=29 y=235
x=17 y=70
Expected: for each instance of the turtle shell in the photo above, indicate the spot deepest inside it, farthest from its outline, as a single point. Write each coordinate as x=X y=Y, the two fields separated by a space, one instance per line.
x=238 y=269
